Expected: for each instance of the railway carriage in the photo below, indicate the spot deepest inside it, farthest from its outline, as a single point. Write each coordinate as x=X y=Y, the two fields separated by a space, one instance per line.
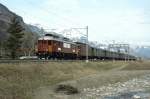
x=82 y=50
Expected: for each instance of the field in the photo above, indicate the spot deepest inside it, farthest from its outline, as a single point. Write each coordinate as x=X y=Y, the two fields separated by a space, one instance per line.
x=38 y=80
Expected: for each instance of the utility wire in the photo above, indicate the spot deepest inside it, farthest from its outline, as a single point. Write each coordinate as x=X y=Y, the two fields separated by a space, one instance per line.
x=46 y=11
x=54 y=13
x=35 y=17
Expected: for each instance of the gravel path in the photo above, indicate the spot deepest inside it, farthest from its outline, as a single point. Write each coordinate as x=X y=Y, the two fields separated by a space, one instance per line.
x=136 y=87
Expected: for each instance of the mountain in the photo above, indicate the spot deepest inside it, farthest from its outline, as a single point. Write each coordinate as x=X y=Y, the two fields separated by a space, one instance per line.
x=31 y=32
x=33 y=29
x=143 y=52
x=5 y=20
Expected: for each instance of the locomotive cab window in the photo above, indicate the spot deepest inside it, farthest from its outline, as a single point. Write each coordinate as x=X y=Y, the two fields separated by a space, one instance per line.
x=49 y=42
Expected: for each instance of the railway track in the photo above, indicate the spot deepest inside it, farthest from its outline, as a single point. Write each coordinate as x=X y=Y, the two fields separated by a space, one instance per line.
x=24 y=61
x=44 y=61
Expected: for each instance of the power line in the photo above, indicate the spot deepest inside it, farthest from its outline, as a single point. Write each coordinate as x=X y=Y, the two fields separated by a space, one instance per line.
x=54 y=13
x=47 y=11
x=24 y=13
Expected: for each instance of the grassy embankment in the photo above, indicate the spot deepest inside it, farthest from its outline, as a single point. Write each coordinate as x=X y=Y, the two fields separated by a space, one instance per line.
x=20 y=80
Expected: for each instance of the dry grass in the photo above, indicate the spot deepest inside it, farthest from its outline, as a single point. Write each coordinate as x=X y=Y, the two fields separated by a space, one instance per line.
x=19 y=81
x=138 y=65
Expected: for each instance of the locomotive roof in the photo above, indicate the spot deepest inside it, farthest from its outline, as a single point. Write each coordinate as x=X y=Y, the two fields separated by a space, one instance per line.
x=53 y=35
x=56 y=39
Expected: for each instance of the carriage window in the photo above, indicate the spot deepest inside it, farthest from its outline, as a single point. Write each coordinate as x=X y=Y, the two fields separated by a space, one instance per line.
x=66 y=45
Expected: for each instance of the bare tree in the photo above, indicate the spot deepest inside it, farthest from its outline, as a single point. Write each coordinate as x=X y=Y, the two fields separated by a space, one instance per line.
x=28 y=46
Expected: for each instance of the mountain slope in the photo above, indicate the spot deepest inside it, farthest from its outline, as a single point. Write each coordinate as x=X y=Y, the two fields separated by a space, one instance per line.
x=143 y=52
x=5 y=20
x=30 y=34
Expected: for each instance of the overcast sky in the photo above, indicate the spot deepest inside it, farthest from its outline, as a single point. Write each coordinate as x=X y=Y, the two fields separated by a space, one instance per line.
x=119 y=20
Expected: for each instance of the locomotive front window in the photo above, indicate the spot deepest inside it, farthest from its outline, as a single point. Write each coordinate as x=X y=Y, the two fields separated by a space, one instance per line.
x=49 y=42
x=43 y=41
x=40 y=41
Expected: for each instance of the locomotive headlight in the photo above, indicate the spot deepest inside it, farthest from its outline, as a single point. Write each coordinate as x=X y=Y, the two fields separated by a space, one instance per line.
x=59 y=49
x=73 y=50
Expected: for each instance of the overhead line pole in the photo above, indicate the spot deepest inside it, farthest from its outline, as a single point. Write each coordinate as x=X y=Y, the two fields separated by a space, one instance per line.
x=87 y=45
x=87 y=42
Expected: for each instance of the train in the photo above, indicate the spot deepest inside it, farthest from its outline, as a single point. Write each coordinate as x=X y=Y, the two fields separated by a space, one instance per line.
x=52 y=46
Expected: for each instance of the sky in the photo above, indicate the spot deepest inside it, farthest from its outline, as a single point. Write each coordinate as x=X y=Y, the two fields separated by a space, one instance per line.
x=126 y=21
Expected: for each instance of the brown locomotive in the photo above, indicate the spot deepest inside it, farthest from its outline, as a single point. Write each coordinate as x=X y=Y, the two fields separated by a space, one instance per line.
x=52 y=46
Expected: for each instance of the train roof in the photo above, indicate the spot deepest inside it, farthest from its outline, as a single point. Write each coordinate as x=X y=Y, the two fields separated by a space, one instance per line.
x=80 y=43
x=56 y=39
x=89 y=45
x=52 y=35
